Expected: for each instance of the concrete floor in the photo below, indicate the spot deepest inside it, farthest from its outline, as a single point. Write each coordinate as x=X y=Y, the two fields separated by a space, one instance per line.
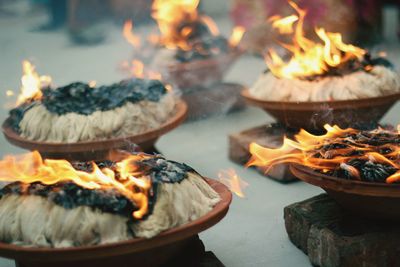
x=252 y=234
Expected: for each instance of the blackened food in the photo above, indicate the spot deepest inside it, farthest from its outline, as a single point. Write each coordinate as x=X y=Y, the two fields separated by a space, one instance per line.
x=83 y=99
x=70 y=195
x=359 y=148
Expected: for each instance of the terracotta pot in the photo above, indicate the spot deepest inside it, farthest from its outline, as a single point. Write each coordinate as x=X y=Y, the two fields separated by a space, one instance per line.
x=378 y=201
x=200 y=73
x=313 y=115
x=147 y=252
x=96 y=150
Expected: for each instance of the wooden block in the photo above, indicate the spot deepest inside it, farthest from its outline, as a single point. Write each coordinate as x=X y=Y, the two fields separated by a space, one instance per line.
x=270 y=135
x=218 y=99
x=331 y=237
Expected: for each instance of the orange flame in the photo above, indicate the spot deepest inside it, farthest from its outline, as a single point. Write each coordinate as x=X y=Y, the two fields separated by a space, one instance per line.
x=237 y=35
x=303 y=148
x=130 y=182
x=169 y=14
x=308 y=57
x=172 y=14
x=233 y=181
x=136 y=67
x=132 y=38
x=32 y=83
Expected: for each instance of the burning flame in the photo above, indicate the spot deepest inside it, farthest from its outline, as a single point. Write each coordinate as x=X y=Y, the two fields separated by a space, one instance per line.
x=169 y=14
x=136 y=67
x=233 y=181
x=305 y=146
x=175 y=20
x=32 y=83
x=132 y=38
x=130 y=182
x=308 y=57
x=237 y=35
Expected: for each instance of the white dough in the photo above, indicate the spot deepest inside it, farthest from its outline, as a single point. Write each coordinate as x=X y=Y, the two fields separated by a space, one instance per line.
x=30 y=220
x=379 y=81
x=39 y=124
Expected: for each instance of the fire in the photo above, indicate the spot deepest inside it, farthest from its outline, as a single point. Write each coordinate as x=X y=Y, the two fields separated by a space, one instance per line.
x=32 y=83
x=169 y=14
x=127 y=179
x=237 y=35
x=178 y=19
x=308 y=57
x=136 y=67
x=334 y=150
x=132 y=38
x=233 y=181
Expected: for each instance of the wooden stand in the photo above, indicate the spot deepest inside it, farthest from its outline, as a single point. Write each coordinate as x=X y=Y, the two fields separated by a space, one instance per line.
x=331 y=237
x=218 y=99
x=270 y=135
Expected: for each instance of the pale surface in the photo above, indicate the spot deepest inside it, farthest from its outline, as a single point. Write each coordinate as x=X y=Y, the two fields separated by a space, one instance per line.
x=253 y=233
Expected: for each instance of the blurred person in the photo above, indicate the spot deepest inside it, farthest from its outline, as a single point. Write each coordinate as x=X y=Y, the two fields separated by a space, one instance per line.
x=57 y=10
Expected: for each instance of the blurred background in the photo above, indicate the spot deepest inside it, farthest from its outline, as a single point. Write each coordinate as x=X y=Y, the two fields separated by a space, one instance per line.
x=76 y=40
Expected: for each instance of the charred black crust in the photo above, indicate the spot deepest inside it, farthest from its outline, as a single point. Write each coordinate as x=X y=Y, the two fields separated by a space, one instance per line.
x=82 y=99
x=369 y=170
x=70 y=195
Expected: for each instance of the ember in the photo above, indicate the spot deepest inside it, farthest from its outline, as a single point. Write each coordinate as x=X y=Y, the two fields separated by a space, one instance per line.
x=371 y=156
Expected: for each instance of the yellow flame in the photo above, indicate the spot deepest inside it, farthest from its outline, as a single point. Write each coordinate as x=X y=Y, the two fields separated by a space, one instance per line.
x=169 y=14
x=30 y=168
x=31 y=83
x=305 y=145
x=233 y=181
x=308 y=57
x=237 y=35
x=284 y=25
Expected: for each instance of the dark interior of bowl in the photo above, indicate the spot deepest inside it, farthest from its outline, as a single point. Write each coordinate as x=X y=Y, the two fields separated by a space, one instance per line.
x=377 y=201
x=312 y=116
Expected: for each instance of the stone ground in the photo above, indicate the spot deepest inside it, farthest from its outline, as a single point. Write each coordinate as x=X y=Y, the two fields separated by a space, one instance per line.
x=253 y=232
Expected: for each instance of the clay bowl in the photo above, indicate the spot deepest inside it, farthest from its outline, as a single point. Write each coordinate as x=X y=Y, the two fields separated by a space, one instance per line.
x=147 y=252
x=96 y=150
x=200 y=73
x=313 y=116
x=378 y=201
